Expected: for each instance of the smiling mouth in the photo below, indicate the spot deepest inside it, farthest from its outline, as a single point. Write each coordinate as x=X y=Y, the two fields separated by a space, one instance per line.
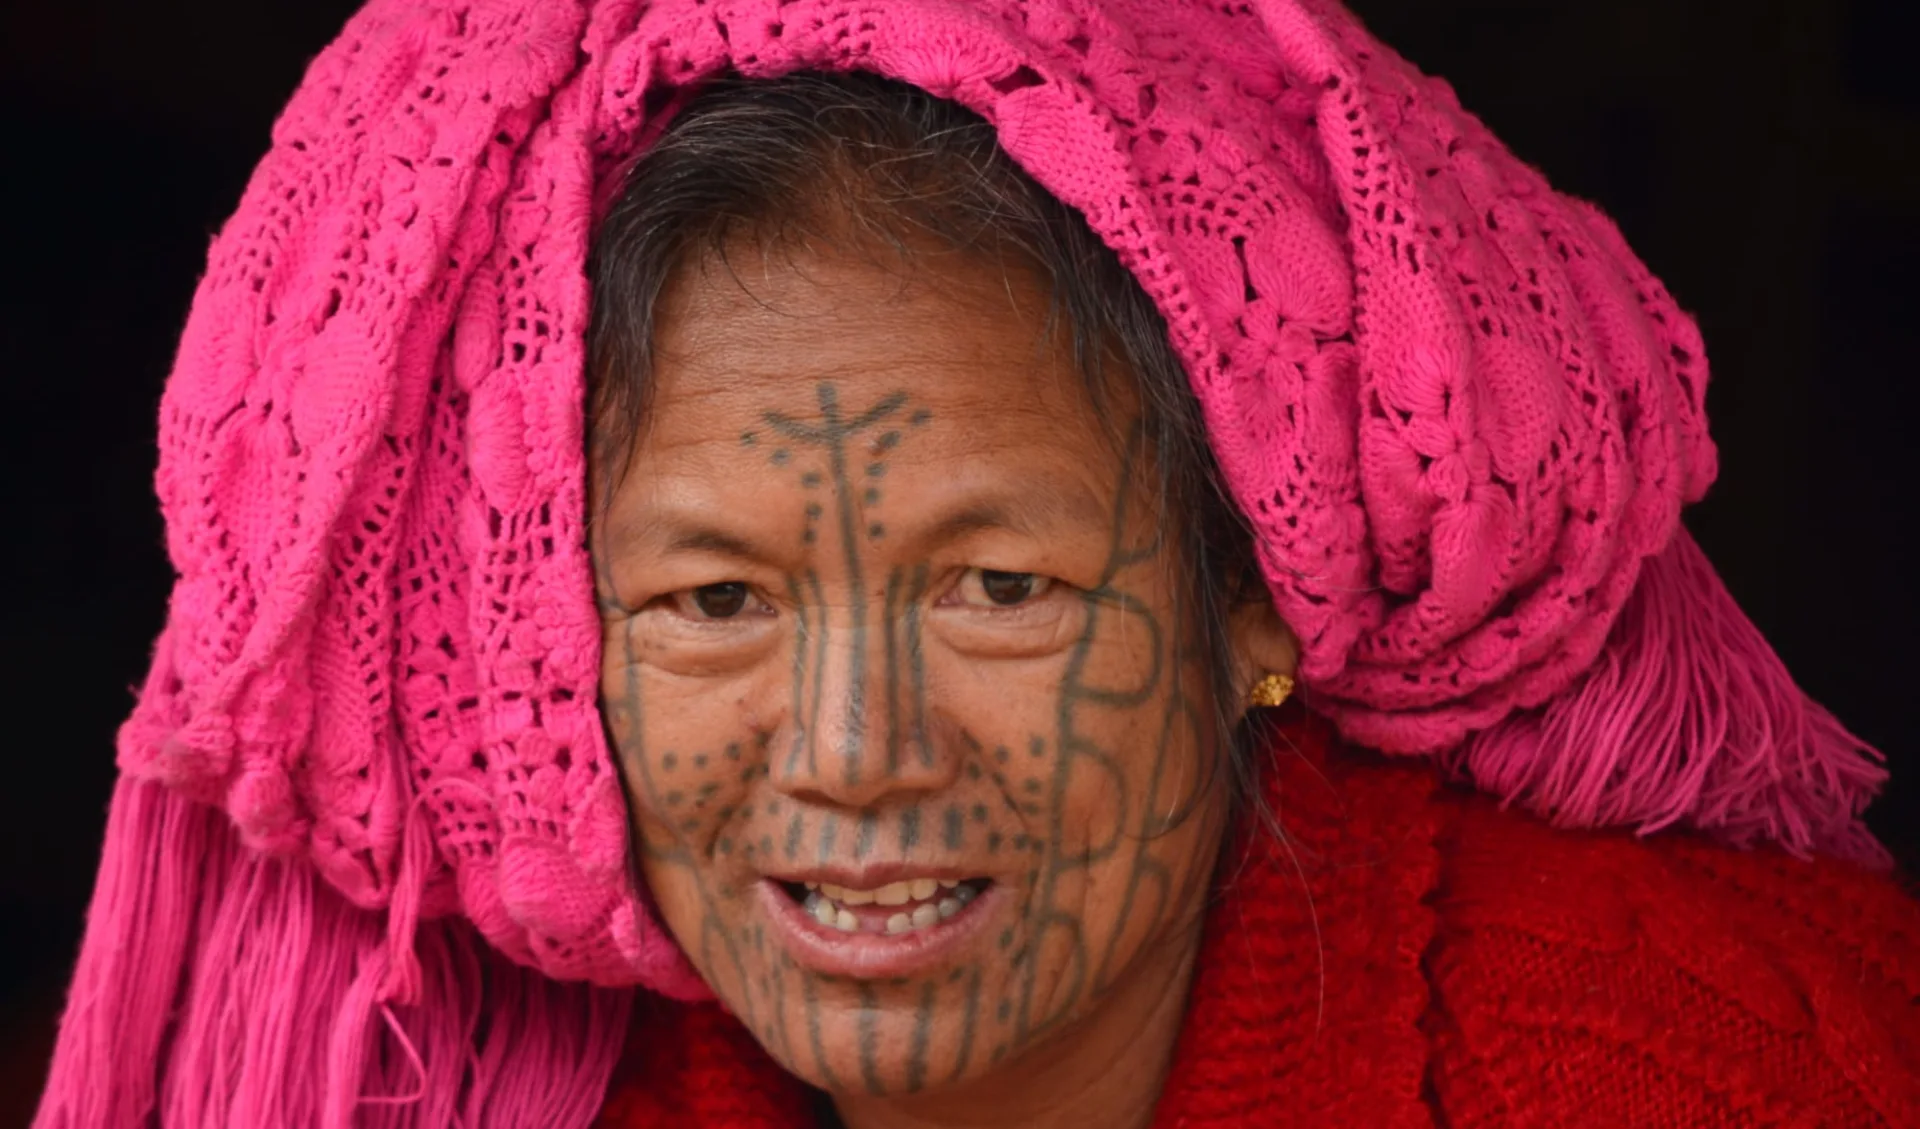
x=893 y=909
x=906 y=927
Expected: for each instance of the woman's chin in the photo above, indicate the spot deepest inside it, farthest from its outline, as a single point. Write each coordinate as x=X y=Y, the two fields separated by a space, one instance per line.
x=891 y=1040
x=866 y=1008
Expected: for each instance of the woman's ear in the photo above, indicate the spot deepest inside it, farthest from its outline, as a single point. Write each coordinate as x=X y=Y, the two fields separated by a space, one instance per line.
x=1262 y=644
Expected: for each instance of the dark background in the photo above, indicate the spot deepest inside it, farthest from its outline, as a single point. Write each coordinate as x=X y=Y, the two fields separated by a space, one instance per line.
x=1763 y=157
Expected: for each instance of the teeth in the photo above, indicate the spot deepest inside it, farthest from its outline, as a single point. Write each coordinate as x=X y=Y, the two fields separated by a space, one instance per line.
x=934 y=900
x=826 y=913
x=845 y=896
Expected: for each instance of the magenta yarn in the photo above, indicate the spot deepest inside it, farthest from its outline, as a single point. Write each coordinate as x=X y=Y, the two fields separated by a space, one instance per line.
x=1461 y=416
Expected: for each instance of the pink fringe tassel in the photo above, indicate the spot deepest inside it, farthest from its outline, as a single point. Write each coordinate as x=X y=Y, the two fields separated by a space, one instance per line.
x=220 y=987
x=1687 y=714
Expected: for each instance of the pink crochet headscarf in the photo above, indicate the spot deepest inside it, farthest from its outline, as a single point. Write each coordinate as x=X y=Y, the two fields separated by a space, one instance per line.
x=1462 y=417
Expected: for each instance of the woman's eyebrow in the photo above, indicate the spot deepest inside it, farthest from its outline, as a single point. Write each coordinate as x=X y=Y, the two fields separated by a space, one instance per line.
x=707 y=539
x=974 y=518
x=1039 y=510
x=676 y=531
x=1033 y=512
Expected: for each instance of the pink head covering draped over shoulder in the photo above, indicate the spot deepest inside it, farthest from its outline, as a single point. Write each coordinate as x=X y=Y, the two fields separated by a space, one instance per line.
x=1460 y=414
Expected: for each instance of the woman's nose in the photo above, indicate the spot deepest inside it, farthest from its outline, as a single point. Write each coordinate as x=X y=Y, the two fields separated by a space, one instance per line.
x=858 y=731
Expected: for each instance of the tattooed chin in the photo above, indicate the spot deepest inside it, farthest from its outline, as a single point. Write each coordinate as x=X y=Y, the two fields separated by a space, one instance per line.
x=861 y=970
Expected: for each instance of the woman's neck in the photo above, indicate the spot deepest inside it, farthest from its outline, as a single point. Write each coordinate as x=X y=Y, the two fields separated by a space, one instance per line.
x=1105 y=1073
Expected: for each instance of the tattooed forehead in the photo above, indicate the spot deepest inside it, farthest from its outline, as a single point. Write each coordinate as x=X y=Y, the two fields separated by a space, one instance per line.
x=700 y=503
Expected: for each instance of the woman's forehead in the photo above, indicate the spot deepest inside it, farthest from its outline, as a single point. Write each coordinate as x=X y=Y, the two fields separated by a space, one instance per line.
x=754 y=346
x=942 y=387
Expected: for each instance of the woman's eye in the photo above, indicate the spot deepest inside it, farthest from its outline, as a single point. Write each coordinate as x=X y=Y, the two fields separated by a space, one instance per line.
x=1006 y=588
x=720 y=601
x=1002 y=589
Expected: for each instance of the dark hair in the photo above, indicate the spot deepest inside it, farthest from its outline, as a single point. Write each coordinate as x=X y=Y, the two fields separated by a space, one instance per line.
x=763 y=162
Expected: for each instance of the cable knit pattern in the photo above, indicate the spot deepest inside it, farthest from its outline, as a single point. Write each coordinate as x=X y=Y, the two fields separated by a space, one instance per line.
x=1470 y=968
x=1670 y=983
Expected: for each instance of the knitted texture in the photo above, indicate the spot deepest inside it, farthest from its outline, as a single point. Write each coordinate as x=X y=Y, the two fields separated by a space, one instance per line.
x=1436 y=961
x=1460 y=415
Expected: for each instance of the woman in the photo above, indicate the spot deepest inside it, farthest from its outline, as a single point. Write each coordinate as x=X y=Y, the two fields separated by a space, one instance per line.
x=968 y=454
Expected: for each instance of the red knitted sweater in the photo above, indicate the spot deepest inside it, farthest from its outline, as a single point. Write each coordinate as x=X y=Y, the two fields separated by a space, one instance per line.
x=1480 y=969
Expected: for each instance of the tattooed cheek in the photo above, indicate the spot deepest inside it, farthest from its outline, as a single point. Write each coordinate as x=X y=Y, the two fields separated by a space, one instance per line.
x=699 y=794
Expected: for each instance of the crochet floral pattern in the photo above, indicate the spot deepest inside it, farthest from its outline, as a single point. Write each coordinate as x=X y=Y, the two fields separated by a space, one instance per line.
x=1461 y=416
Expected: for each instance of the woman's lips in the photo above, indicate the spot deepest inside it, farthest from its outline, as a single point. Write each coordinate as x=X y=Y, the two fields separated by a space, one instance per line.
x=870 y=950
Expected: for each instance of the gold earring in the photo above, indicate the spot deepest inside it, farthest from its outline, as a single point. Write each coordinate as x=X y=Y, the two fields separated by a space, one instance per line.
x=1270 y=691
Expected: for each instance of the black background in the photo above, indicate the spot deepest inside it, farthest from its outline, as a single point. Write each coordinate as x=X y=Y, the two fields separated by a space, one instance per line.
x=1763 y=156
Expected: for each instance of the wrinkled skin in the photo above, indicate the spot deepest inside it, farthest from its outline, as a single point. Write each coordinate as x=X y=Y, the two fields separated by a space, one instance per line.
x=879 y=587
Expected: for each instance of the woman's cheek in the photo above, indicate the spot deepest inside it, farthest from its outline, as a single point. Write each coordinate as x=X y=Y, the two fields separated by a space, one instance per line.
x=1137 y=798
x=690 y=915
x=687 y=768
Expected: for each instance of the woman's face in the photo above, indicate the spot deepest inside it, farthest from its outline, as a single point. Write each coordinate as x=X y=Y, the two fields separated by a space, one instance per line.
x=910 y=713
